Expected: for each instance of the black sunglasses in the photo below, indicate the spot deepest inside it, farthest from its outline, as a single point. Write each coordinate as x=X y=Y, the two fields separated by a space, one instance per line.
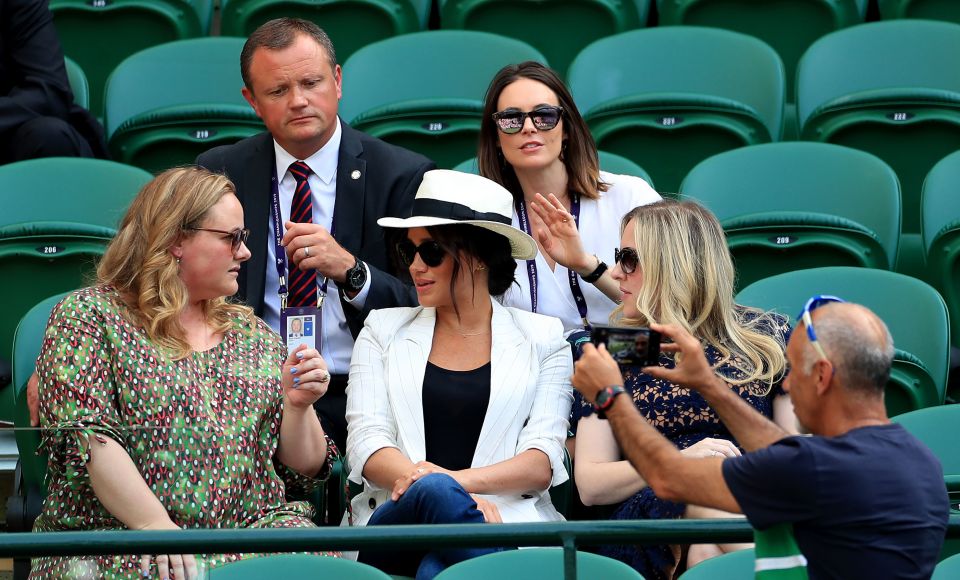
x=237 y=237
x=628 y=258
x=430 y=252
x=544 y=118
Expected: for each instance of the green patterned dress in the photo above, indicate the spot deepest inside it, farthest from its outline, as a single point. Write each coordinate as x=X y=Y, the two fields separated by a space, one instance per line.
x=203 y=431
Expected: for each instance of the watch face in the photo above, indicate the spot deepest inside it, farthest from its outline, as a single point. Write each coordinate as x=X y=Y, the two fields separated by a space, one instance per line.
x=356 y=276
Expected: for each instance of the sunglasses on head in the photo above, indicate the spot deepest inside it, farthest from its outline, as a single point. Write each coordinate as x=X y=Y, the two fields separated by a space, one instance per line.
x=544 y=118
x=430 y=252
x=236 y=237
x=628 y=258
x=811 y=305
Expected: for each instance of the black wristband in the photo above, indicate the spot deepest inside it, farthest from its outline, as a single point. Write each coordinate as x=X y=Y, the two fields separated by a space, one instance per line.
x=595 y=275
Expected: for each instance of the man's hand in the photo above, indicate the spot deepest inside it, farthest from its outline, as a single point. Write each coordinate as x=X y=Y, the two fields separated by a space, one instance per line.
x=33 y=399
x=691 y=369
x=311 y=247
x=595 y=371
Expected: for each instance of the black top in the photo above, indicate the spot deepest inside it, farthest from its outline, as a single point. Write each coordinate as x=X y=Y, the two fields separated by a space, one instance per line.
x=454 y=405
x=868 y=504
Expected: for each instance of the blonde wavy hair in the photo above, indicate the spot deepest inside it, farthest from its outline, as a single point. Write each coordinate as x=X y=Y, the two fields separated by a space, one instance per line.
x=688 y=280
x=139 y=265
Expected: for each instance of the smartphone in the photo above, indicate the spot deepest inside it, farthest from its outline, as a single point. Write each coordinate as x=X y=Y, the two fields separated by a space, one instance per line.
x=630 y=347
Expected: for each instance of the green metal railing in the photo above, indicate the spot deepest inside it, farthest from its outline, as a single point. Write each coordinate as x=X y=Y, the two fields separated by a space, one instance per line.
x=566 y=534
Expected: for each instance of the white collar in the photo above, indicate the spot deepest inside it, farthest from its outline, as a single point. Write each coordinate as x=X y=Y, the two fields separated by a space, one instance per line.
x=323 y=163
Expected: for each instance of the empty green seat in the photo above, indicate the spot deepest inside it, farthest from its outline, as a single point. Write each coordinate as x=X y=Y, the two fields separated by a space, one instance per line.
x=99 y=34
x=169 y=103
x=609 y=162
x=296 y=566
x=789 y=206
x=913 y=311
x=559 y=29
x=936 y=427
x=789 y=26
x=537 y=564
x=424 y=91
x=78 y=83
x=58 y=215
x=667 y=98
x=941 y=233
x=351 y=24
x=888 y=88
x=948 y=10
x=948 y=569
x=733 y=566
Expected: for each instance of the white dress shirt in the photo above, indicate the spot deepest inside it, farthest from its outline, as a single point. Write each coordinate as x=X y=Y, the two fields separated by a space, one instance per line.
x=336 y=340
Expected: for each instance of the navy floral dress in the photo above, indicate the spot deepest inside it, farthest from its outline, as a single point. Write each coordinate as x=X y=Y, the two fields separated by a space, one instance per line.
x=683 y=417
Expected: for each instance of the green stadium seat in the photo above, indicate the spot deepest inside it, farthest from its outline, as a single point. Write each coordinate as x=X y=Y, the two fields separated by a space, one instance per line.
x=59 y=214
x=790 y=206
x=424 y=91
x=913 y=311
x=733 y=566
x=169 y=103
x=948 y=10
x=609 y=162
x=78 y=83
x=789 y=26
x=891 y=89
x=936 y=427
x=351 y=24
x=559 y=29
x=296 y=566
x=99 y=34
x=537 y=564
x=941 y=234
x=948 y=569
x=667 y=98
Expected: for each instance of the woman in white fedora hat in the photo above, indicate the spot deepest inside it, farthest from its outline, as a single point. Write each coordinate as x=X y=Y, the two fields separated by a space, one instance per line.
x=457 y=409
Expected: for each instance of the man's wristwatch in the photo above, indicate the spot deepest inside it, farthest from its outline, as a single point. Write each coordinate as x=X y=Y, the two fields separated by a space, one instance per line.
x=605 y=399
x=356 y=277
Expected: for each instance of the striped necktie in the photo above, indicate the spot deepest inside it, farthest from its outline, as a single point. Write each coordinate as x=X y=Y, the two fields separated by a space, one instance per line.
x=303 y=284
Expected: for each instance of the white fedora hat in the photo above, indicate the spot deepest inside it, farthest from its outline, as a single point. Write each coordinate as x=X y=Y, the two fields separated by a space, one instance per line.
x=448 y=197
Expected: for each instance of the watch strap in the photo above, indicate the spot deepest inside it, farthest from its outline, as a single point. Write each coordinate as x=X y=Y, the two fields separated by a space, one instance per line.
x=597 y=273
x=605 y=399
x=358 y=268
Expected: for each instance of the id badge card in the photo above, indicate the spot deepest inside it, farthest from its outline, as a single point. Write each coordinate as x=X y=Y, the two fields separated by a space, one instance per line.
x=300 y=326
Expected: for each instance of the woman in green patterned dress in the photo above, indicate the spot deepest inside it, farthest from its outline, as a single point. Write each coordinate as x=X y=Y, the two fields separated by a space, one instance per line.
x=164 y=405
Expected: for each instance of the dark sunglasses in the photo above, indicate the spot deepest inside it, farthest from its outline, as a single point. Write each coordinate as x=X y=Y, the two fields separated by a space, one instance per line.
x=628 y=258
x=430 y=252
x=236 y=237
x=544 y=119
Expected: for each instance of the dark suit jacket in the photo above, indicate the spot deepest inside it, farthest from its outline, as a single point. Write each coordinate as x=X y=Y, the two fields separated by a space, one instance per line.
x=389 y=178
x=33 y=78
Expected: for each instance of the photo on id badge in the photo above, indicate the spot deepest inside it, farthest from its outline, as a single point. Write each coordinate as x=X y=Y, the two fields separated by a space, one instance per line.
x=299 y=326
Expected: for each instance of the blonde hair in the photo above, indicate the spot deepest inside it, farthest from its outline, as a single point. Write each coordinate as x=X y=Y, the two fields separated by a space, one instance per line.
x=139 y=265
x=688 y=280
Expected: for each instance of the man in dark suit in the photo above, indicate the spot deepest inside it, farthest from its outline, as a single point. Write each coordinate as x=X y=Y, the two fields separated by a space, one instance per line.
x=293 y=82
x=38 y=117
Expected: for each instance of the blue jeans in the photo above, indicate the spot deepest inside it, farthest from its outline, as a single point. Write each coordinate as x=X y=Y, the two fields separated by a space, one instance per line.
x=435 y=499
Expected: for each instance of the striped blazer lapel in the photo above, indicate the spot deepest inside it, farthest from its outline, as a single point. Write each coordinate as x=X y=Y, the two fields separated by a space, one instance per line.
x=407 y=365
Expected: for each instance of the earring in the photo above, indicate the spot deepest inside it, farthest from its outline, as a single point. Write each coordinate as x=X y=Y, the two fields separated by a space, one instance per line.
x=480 y=268
x=178 y=261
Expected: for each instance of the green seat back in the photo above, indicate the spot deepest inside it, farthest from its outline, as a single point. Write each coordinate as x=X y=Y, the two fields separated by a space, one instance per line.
x=351 y=24
x=169 y=103
x=609 y=162
x=948 y=569
x=789 y=26
x=936 y=427
x=424 y=91
x=733 y=566
x=941 y=233
x=948 y=10
x=99 y=34
x=537 y=564
x=78 y=83
x=913 y=311
x=789 y=206
x=58 y=216
x=296 y=566
x=562 y=27
x=670 y=97
x=888 y=88
x=27 y=341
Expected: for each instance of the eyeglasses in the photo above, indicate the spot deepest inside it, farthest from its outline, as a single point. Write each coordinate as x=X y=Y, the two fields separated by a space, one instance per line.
x=236 y=237
x=628 y=258
x=544 y=118
x=430 y=252
x=811 y=305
